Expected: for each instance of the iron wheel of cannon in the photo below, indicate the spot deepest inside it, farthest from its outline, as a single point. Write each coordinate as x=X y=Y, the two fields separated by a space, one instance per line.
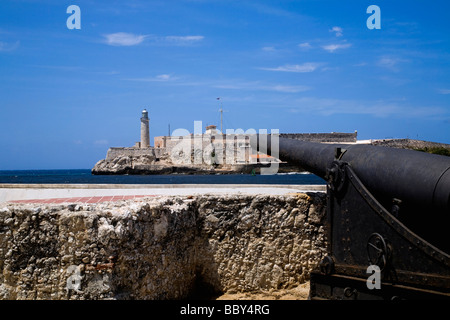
x=336 y=176
x=378 y=251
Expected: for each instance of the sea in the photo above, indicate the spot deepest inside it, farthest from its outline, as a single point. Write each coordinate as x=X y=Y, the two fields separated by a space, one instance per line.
x=84 y=176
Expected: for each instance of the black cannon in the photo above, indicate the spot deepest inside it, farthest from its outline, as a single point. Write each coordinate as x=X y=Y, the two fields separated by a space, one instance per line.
x=387 y=219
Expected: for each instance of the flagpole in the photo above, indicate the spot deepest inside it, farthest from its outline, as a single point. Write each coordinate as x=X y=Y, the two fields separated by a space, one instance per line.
x=221 y=116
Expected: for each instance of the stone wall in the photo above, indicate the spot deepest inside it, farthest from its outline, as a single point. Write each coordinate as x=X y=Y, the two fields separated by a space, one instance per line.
x=161 y=247
x=133 y=152
x=335 y=137
x=229 y=149
x=409 y=144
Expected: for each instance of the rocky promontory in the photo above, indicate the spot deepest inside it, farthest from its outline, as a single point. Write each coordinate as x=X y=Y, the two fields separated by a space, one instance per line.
x=150 y=165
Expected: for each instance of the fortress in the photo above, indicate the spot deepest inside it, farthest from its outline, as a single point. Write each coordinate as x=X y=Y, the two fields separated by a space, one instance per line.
x=210 y=151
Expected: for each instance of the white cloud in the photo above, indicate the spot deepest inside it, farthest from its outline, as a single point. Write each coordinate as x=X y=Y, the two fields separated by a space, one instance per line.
x=361 y=64
x=62 y=68
x=390 y=63
x=289 y=89
x=444 y=91
x=334 y=47
x=395 y=81
x=7 y=47
x=304 y=45
x=387 y=62
x=329 y=69
x=306 y=67
x=158 y=78
x=337 y=31
x=163 y=77
x=257 y=85
x=329 y=107
x=183 y=40
x=269 y=49
x=228 y=84
x=269 y=9
x=101 y=142
x=130 y=39
x=123 y=39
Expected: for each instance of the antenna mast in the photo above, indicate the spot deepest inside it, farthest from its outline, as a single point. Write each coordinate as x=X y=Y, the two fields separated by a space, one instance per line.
x=221 y=116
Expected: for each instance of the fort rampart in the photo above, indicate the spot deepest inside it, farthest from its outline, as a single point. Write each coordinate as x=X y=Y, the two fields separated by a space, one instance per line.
x=409 y=144
x=168 y=247
x=133 y=152
x=166 y=144
x=336 y=137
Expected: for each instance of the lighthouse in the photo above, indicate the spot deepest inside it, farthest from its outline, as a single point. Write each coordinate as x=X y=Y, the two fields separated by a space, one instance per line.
x=145 y=130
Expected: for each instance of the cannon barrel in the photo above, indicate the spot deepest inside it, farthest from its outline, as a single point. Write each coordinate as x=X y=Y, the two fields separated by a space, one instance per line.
x=414 y=177
x=387 y=208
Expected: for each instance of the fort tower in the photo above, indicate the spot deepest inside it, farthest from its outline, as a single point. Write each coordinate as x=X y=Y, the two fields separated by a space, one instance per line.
x=145 y=131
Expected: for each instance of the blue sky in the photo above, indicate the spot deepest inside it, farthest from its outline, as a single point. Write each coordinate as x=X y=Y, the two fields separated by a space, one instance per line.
x=297 y=66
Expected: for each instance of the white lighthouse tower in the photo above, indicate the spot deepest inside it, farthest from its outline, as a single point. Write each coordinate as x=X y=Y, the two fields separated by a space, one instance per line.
x=145 y=130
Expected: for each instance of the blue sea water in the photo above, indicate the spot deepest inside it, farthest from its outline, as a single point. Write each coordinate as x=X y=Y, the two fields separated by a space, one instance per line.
x=84 y=176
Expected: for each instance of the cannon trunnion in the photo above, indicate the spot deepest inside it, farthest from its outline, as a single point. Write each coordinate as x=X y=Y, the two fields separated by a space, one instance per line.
x=387 y=221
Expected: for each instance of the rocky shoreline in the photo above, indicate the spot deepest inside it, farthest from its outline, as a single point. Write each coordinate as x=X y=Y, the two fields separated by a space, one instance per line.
x=148 y=165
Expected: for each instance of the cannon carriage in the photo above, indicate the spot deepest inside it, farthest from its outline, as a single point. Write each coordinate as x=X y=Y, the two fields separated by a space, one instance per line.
x=387 y=220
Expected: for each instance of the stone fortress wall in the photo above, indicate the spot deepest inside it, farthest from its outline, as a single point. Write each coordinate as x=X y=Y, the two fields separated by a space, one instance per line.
x=210 y=147
x=167 y=247
x=333 y=137
x=239 y=144
x=409 y=144
x=116 y=152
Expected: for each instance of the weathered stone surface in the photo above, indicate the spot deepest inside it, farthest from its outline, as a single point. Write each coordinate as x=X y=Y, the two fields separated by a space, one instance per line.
x=147 y=165
x=159 y=248
x=150 y=165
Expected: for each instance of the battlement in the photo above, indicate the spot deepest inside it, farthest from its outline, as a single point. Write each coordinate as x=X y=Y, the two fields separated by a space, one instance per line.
x=115 y=152
x=333 y=137
x=239 y=142
x=336 y=137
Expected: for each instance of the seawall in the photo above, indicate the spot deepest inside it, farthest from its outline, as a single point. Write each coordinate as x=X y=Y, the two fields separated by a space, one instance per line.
x=16 y=191
x=163 y=247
